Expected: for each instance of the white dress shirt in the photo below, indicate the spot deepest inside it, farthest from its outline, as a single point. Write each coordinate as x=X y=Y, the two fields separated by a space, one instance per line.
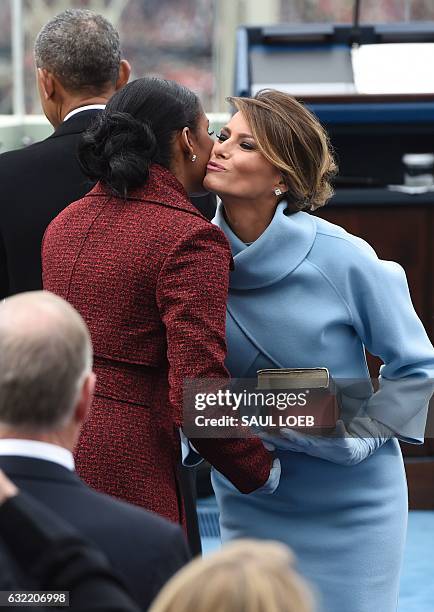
x=83 y=108
x=37 y=450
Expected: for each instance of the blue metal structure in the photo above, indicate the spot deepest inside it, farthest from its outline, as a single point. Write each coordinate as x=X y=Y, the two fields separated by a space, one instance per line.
x=370 y=133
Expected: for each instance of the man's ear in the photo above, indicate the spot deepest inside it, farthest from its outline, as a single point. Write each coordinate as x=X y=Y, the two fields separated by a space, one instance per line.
x=85 y=399
x=124 y=74
x=187 y=144
x=46 y=83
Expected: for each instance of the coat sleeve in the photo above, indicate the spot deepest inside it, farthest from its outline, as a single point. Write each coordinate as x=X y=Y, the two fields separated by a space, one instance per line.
x=384 y=318
x=191 y=296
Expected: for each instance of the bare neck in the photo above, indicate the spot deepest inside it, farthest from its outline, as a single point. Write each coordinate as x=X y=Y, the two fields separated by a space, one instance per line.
x=64 y=438
x=248 y=220
x=72 y=103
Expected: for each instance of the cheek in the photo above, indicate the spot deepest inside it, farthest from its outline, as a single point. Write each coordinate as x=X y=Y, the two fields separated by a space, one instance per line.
x=207 y=147
x=262 y=174
x=249 y=170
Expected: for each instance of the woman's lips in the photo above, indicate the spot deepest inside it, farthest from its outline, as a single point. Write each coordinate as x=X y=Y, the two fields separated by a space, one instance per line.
x=215 y=167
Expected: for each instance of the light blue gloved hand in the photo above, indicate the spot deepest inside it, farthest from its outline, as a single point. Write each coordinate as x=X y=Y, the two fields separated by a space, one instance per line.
x=346 y=447
x=273 y=480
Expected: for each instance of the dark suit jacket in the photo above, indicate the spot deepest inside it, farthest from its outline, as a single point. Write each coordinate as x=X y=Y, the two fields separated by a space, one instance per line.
x=143 y=548
x=36 y=183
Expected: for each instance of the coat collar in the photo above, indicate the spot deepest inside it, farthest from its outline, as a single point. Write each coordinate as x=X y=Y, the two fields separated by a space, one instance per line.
x=276 y=253
x=76 y=124
x=162 y=188
x=36 y=449
x=39 y=469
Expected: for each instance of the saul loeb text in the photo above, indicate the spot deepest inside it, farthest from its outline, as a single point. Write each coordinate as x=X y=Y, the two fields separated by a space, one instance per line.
x=215 y=408
x=268 y=420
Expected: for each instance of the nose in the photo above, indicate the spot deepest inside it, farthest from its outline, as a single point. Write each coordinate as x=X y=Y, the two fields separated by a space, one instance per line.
x=220 y=150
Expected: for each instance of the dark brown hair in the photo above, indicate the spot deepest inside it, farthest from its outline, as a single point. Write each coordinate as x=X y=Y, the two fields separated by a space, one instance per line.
x=137 y=129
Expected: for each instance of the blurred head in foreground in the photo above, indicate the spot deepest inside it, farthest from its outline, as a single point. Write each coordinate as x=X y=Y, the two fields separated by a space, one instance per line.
x=245 y=576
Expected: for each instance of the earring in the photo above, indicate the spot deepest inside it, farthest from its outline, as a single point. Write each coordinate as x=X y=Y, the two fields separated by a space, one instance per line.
x=278 y=191
x=194 y=157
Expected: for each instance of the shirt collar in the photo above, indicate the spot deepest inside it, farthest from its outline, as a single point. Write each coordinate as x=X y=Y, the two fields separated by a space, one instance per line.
x=37 y=450
x=84 y=108
x=283 y=245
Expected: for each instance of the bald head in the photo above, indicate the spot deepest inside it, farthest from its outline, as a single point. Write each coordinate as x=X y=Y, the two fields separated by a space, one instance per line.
x=45 y=354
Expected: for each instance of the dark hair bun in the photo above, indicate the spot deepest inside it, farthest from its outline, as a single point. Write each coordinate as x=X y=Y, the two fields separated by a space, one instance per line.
x=118 y=150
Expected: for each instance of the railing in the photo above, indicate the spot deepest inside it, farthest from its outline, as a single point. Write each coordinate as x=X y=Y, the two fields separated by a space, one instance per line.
x=17 y=131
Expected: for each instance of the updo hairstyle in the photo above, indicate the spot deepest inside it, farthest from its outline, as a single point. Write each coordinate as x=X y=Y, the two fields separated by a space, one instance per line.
x=137 y=128
x=294 y=141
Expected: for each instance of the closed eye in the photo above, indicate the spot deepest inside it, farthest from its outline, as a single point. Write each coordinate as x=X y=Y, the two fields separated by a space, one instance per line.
x=210 y=132
x=247 y=145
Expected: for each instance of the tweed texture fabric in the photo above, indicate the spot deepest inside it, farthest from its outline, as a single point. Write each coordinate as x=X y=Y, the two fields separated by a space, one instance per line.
x=149 y=274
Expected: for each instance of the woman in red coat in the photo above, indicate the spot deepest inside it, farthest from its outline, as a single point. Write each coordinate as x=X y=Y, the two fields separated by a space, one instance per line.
x=149 y=274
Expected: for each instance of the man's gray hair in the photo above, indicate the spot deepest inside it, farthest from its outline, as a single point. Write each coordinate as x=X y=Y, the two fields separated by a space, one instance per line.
x=45 y=356
x=81 y=49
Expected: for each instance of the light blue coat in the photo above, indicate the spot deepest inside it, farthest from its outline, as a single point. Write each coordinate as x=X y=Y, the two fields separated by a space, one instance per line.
x=307 y=294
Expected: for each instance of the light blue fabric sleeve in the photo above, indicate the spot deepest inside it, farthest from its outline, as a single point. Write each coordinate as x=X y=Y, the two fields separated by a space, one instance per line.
x=190 y=456
x=273 y=480
x=377 y=294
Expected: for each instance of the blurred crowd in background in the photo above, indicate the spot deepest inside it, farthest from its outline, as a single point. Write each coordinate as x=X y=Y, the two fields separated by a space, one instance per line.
x=178 y=39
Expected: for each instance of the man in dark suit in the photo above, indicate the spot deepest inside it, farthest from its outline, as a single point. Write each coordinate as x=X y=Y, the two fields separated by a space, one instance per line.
x=78 y=69
x=48 y=554
x=46 y=388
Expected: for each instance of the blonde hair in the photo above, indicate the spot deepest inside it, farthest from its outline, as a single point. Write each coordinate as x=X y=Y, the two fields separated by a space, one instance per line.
x=291 y=138
x=244 y=576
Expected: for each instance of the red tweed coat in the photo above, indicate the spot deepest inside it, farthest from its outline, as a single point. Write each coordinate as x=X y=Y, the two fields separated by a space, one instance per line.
x=149 y=275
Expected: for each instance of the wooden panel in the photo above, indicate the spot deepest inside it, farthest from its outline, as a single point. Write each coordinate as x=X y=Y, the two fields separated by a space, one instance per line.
x=430 y=278
x=420 y=478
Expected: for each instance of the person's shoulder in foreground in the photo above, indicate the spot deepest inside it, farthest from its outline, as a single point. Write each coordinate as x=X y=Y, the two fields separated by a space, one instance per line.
x=53 y=556
x=158 y=542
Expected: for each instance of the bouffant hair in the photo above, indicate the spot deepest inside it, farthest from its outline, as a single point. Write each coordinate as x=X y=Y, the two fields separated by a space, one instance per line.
x=292 y=139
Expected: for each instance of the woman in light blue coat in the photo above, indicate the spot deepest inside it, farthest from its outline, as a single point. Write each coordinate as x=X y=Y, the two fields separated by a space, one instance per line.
x=304 y=293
